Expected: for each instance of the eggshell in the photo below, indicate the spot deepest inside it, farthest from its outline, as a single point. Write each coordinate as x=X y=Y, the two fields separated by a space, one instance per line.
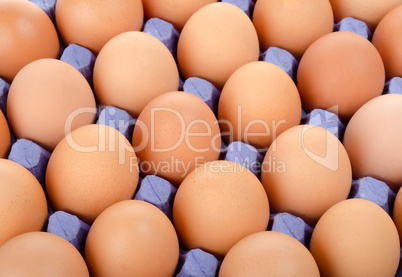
x=268 y=254
x=340 y=72
x=23 y=205
x=215 y=41
x=218 y=204
x=175 y=133
x=47 y=99
x=371 y=12
x=258 y=102
x=39 y=254
x=356 y=238
x=306 y=171
x=373 y=140
x=132 y=69
x=176 y=12
x=132 y=238
x=27 y=34
x=91 y=168
x=397 y=213
x=92 y=23
x=292 y=25
x=5 y=137
x=387 y=38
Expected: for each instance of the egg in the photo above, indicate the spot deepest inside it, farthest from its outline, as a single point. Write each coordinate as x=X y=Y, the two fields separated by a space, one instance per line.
x=23 y=202
x=292 y=25
x=372 y=140
x=175 y=133
x=268 y=254
x=218 y=204
x=371 y=12
x=356 y=237
x=176 y=12
x=27 y=34
x=386 y=38
x=131 y=70
x=39 y=254
x=90 y=169
x=397 y=213
x=305 y=172
x=340 y=72
x=92 y=23
x=48 y=99
x=258 y=102
x=215 y=41
x=132 y=238
x=5 y=137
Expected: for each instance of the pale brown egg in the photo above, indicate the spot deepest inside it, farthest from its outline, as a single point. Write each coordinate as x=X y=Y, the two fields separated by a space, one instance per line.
x=305 y=172
x=356 y=237
x=218 y=204
x=215 y=41
x=387 y=38
x=39 y=254
x=370 y=12
x=176 y=12
x=27 y=34
x=132 y=238
x=258 y=102
x=23 y=202
x=175 y=133
x=5 y=137
x=340 y=72
x=373 y=140
x=92 y=23
x=132 y=69
x=91 y=168
x=48 y=99
x=397 y=213
x=292 y=25
x=269 y=254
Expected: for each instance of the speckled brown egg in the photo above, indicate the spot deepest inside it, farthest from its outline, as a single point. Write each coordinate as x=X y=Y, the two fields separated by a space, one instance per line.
x=5 y=137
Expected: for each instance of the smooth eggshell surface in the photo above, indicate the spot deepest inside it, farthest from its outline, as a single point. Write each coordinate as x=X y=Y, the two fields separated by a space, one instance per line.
x=397 y=213
x=27 y=34
x=373 y=140
x=39 y=254
x=132 y=238
x=132 y=69
x=92 y=168
x=215 y=41
x=269 y=254
x=23 y=205
x=92 y=23
x=356 y=237
x=5 y=137
x=218 y=204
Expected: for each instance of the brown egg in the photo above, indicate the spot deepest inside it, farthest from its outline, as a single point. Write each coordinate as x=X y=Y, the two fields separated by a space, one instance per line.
x=216 y=40
x=23 y=202
x=258 y=102
x=92 y=168
x=269 y=254
x=132 y=69
x=5 y=137
x=175 y=133
x=218 y=204
x=27 y=34
x=176 y=12
x=47 y=99
x=356 y=237
x=132 y=238
x=39 y=254
x=305 y=172
x=397 y=213
x=387 y=38
x=372 y=140
x=292 y=25
x=370 y=12
x=92 y=23
x=340 y=72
